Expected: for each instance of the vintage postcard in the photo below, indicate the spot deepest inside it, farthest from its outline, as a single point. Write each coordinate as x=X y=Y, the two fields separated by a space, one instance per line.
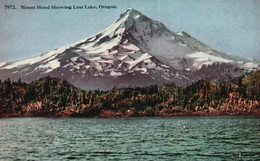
x=129 y=80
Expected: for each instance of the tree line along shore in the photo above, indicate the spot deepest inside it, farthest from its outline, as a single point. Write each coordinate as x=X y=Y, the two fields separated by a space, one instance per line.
x=52 y=97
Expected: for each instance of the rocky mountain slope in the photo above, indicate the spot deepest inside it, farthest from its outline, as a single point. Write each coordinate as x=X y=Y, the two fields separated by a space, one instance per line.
x=133 y=51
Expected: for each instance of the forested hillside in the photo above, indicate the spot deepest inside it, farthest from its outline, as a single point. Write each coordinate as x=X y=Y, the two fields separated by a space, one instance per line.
x=54 y=97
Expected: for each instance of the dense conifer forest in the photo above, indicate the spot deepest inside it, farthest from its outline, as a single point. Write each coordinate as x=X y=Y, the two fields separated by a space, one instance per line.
x=54 y=97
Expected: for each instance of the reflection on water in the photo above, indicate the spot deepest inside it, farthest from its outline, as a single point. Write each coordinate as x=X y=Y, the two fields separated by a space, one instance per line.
x=180 y=138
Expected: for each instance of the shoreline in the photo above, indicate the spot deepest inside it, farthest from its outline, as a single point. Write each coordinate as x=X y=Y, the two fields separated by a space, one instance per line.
x=112 y=114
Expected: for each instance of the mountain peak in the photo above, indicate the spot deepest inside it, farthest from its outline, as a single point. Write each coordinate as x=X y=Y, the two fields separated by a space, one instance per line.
x=132 y=20
x=131 y=11
x=133 y=51
x=130 y=14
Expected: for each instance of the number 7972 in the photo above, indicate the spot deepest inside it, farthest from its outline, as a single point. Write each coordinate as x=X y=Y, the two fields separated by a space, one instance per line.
x=10 y=7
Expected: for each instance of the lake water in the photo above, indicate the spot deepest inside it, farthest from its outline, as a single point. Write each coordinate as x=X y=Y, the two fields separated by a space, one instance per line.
x=173 y=138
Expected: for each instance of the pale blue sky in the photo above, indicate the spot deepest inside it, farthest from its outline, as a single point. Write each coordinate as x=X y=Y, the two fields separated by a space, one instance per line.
x=227 y=25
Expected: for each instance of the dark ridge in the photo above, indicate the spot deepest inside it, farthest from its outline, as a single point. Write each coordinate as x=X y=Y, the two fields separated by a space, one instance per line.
x=51 y=96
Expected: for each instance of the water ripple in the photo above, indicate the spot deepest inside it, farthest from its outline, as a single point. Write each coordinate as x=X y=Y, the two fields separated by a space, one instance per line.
x=177 y=138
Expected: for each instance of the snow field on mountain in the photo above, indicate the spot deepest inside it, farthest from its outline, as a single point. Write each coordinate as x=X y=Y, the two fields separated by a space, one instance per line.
x=202 y=58
x=2 y=64
x=43 y=58
x=50 y=66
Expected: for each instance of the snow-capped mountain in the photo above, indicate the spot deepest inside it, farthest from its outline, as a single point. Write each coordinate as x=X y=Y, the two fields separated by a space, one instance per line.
x=133 y=51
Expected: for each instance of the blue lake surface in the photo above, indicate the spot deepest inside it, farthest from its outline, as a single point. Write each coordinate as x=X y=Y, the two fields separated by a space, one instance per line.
x=159 y=138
